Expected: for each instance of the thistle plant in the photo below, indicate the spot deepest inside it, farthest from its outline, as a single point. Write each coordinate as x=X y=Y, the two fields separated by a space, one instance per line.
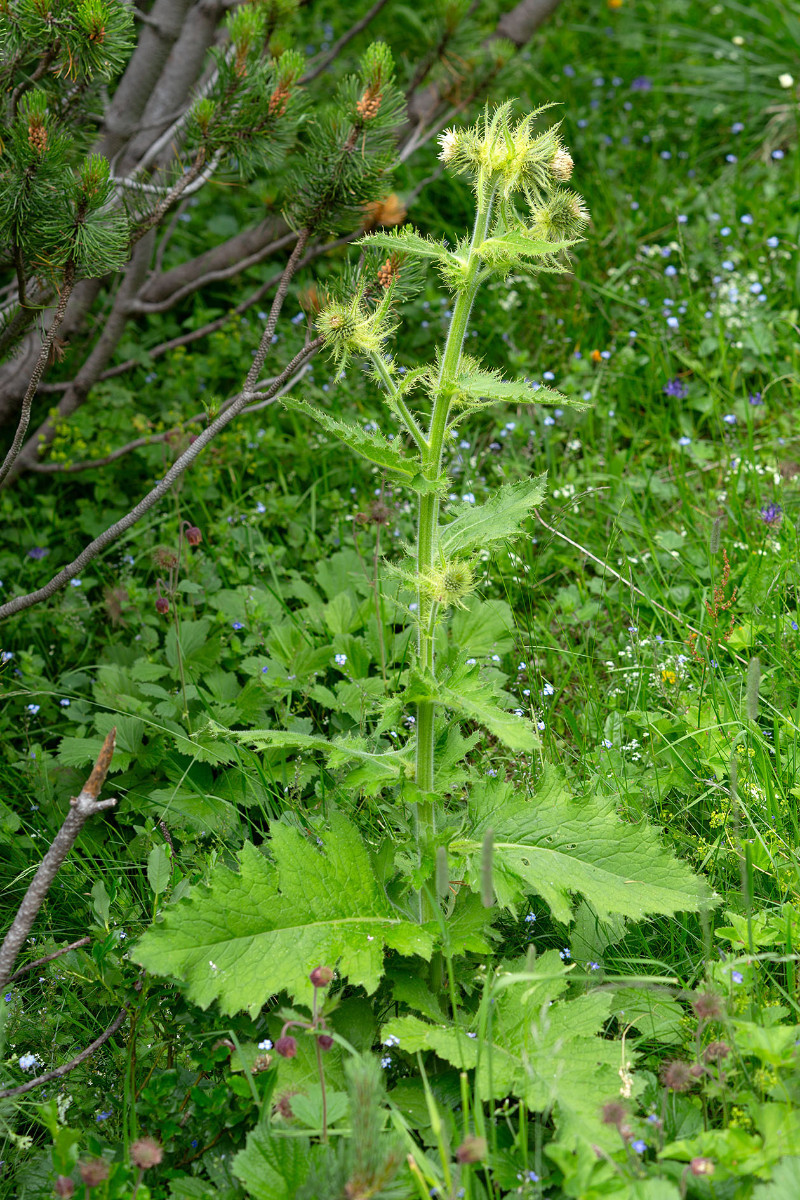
x=525 y=220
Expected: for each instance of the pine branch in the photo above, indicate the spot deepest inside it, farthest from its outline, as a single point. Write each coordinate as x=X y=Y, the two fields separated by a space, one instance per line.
x=339 y=45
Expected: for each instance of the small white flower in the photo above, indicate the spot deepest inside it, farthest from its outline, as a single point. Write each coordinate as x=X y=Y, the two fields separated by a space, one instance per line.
x=448 y=140
x=340 y=659
x=786 y=80
x=265 y=1045
x=27 y=1062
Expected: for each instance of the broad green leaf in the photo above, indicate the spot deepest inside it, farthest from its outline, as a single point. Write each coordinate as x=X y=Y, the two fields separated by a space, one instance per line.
x=261 y=930
x=558 y=847
x=496 y=520
x=538 y=1046
x=159 y=869
x=272 y=1167
x=388 y=766
x=482 y=627
x=408 y=241
x=372 y=446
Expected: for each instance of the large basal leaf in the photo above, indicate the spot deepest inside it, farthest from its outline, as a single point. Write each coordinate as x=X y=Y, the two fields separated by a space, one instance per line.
x=272 y=1167
x=558 y=848
x=263 y=928
x=538 y=1046
x=497 y=520
x=372 y=446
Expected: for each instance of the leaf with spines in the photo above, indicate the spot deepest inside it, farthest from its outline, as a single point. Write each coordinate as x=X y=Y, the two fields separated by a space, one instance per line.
x=499 y=519
x=478 y=388
x=475 y=699
x=263 y=929
x=372 y=446
x=557 y=847
x=408 y=241
x=513 y=247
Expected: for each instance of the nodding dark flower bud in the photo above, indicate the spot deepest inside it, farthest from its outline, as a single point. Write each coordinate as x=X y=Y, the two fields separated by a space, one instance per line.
x=146 y=1153
x=321 y=976
x=613 y=1113
x=471 y=1150
x=64 y=1186
x=193 y=536
x=701 y=1166
x=94 y=1172
x=162 y=604
x=325 y=1041
x=286 y=1046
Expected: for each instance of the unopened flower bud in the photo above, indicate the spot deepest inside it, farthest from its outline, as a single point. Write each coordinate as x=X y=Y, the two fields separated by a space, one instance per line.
x=162 y=604
x=471 y=1150
x=193 y=536
x=64 y=1186
x=321 y=976
x=325 y=1041
x=146 y=1153
x=286 y=1046
x=702 y=1166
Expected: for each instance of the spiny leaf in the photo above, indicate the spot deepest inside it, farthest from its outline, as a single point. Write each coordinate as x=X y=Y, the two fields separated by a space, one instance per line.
x=372 y=446
x=408 y=241
x=465 y=693
x=479 y=389
x=496 y=520
x=263 y=929
x=557 y=847
x=512 y=245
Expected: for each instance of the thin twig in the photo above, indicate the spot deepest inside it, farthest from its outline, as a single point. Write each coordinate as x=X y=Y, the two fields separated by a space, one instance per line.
x=83 y=806
x=39 y=962
x=38 y=370
x=90 y=552
x=340 y=44
x=59 y=1072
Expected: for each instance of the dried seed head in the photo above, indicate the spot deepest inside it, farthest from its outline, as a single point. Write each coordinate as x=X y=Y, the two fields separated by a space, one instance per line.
x=146 y=1153
x=262 y=1062
x=286 y=1046
x=472 y=1150
x=321 y=976
x=561 y=165
x=390 y=211
x=165 y=558
x=708 y=1006
x=94 y=1172
x=613 y=1113
x=715 y=1051
x=676 y=1075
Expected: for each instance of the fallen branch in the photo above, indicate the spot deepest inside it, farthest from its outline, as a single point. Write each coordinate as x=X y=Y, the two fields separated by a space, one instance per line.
x=70 y=1066
x=82 y=806
x=39 y=962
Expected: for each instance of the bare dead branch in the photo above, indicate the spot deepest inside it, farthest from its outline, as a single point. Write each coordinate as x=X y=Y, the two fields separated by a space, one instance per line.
x=339 y=45
x=83 y=806
x=59 y=1072
x=38 y=370
x=19 y=603
x=39 y=962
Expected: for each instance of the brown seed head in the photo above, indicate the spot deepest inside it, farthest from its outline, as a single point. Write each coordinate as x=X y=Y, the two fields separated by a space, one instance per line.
x=472 y=1150
x=676 y=1075
x=715 y=1051
x=94 y=1172
x=613 y=1113
x=708 y=1006
x=146 y=1153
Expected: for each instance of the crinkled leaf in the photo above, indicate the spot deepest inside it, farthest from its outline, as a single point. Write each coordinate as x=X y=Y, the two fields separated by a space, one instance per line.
x=372 y=446
x=478 y=700
x=477 y=388
x=496 y=520
x=261 y=930
x=538 y=1046
x=272 y=1167
x=558 y=847
x=387 y=766
x=513 y=245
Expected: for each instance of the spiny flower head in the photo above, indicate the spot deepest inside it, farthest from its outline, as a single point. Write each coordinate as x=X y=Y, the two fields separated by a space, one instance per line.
x=448 y=583
x=562 y=217
x=348 y=327
x=508 y=155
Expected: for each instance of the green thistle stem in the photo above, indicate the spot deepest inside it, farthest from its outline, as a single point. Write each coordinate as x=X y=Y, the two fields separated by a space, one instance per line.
x=428 y=523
